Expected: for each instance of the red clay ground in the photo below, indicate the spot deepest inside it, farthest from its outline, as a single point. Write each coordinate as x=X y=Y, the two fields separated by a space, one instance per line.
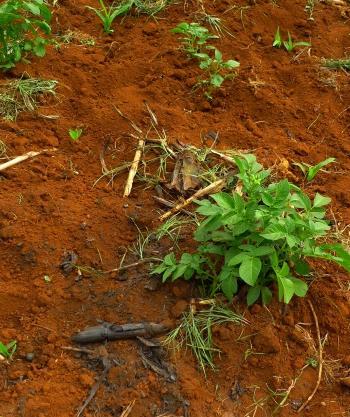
x=283 y=108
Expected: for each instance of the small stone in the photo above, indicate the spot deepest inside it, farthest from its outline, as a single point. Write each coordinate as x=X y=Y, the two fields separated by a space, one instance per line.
x=125 y=205
x=30 y=356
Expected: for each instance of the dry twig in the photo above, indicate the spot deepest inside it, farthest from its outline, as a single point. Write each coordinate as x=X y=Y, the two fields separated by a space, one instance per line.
x=22 y=158
x=128 y=409
x=134 y=167
x=215 y=186
x=320 y=360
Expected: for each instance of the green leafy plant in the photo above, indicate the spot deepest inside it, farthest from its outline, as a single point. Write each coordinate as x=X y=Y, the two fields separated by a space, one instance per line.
x=210 y=58
x=7 y=351
x=260 y=236
x=75 y=134
x=217 y=69
x=194 y=37
x=22 y=24
x=289 y=44
x=108 y=14
x=310 y=171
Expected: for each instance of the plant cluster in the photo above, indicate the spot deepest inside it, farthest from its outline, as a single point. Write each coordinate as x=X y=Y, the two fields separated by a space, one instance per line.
x=210 y=59
x=260 y=235
x=24 y=29
x=108 y=14
x=289 y=44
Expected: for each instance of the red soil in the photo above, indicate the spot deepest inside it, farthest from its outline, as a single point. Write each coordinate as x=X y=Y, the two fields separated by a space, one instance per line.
x=279 y=107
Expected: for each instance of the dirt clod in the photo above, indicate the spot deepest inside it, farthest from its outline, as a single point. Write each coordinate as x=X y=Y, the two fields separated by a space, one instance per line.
x=266 y=341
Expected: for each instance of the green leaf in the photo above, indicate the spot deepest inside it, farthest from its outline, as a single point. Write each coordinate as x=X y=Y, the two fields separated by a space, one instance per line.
x=249 y=270
x=229 y=287
x=218 y=55
x=170 y=259
x=274 y=232
x=262 y=251
x=253 y=295
x=302 y=268
x=224 y=200
x=216 y=80
x=342 y=254
x=31 y=7
x=179 y=271
x=231 y=63
x=287 y=287
x=278 y=40
x=266 y=295
x=282 y=190
x=237 y=259
x=313 y=170
x=320 y=200
x=300 y=287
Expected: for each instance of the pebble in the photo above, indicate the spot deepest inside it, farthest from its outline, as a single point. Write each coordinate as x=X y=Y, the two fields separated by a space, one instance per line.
x=30 y=356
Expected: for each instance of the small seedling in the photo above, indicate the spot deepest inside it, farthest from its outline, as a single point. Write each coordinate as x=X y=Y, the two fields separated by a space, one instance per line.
x=210 y=58
x=47 y=279
x=75 y=134
x=310 y=171
x=217 y=69
x=22 y=27
x=7 y=351
x=195 y=37
x=311 y=362
x=277 y=43
x=108 y=14
x=289 y=45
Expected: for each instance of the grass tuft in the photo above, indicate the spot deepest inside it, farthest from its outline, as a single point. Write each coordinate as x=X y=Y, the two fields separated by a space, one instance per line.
x=150 y=7
x=195 y=332
x=337 y=63
x=22 y=95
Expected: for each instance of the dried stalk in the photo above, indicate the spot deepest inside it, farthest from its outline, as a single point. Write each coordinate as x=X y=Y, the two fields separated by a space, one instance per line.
x=134 y=167
x=214 y=187
x=22 y=158
x=320 y=358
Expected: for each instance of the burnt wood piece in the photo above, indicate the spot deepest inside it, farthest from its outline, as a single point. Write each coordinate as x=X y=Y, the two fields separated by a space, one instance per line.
x=110 y=331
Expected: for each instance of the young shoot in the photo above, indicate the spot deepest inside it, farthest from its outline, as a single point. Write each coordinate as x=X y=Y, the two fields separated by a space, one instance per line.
x=75 y=134
x=107 y=14
x=217 y=70
x=310 y=171
x=289 y=44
